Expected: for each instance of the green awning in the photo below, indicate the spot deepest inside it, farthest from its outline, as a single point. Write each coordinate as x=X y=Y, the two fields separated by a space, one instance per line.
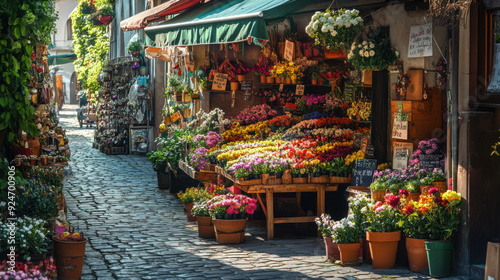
x=61 y=58
x=222 y=21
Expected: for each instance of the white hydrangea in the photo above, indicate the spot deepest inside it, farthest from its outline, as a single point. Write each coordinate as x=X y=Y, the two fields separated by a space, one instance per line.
x=334 y=33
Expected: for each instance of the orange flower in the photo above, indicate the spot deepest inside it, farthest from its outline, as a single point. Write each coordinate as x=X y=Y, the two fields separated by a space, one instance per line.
x=422 y=209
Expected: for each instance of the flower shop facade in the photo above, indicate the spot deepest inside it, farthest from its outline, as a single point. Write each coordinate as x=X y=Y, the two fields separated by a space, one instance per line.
x=401 y=104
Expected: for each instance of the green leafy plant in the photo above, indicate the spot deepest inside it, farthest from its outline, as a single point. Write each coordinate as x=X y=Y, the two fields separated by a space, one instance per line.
x=31 y=237
x=159 y=160
x=413 y=186
x=36 y=200
x=384 y=217
x=135 y=46
x=107 y=10
x=372 y=54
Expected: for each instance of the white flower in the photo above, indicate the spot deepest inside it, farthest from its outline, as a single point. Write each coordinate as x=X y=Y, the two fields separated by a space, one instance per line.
x=327 y=15
x=397 y=53
x=315 y=26
x=363 y=210
x=324 y=29
x=356 y=203
x=331 y=20
x=348 y=24
x=359 y=19
x=364 y=43
x=360 y=46
x=350 y=55
x=353 y=21
x=333 y=33
x=365 y=47
x=322 y=19
x=372 y=53
x=367 y=54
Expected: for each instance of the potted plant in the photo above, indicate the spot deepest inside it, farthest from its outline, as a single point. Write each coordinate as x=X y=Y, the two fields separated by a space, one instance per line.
x=372 y=54
x=384 y=232
x=327 y=30
x=325 y=223
x=439 y=179
x=159 y=161
x=31 y=233
x=203 y=219
x=234 y=84
x=378 y=189
x=441 y=215
x=189 y=197
x=347 y=235
x=135 y=47
x=241 y=70
x=414 y=224
x=358 y=207
x=106 y=14
x=413 y=188
x=87 y=8
x=69 y=253
x=229 y=216
x=314 y=78
x=33 y=160
x=95 y=19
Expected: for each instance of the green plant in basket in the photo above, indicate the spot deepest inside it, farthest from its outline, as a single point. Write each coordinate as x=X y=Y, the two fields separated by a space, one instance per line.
x=379 y=185
x=158 y=159
x=413 y=186
x=336 y=30
x=395 y=186
x=372 y=54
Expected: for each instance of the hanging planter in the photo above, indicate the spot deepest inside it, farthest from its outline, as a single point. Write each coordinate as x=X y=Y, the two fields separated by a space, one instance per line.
x=106 y=19
x=87 y=8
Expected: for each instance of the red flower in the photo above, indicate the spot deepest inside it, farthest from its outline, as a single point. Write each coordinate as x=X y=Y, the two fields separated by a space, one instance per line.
x=433 y=191
x=408 y=210
x=378 y=204
x=404 y=193
x=392 y=200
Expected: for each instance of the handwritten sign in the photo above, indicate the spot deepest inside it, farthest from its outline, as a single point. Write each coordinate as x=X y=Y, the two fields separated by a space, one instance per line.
x=349 y=92
x=289 y=50
x=364 y=143
x=370 y=151
x=429 y=162
x=220 y=81
x=403 y=145
x=420 y=41
x=246 y=86
x=299 y=90
x=400 y=158
x=363 y=172
x=400 y=130
x=281 y=87
x=176 y=117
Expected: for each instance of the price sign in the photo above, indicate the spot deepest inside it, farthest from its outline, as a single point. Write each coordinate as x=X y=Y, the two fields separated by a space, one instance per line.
x=281 y=87
x=404 y=145
x=176 y=117
x=370 y=151
x=420 y=41
x=429 y=162
x=289 y=50
x=299 y=90
x=364 y=143
x=349 y=92
x=400 y=158
x=400 y=130
x=247 y=86
x=220 y=82
x=363 y=172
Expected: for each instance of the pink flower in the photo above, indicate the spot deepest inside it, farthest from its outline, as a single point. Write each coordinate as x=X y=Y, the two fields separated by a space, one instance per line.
x=433 y=191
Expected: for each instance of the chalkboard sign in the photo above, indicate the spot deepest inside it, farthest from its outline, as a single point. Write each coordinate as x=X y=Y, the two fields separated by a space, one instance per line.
x=429 y=162
x=370 y=151
x=363 y=172
x=349 y=92
x=247 y=85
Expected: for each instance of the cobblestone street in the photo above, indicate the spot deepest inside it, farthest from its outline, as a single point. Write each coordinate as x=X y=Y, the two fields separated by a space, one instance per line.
x=137 y=231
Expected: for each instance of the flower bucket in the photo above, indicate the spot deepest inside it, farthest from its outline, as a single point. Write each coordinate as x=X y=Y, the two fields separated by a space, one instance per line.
x=288 y=81
x=349 y=252
x=269 y=79
x=229 y=231
x=263 y=79
x=378 y=195
x=240 y=77
x=338 y=54
x=234 y=85
x=332 y=249
x=383 y=247
x=205 y=227
x=417 y=255
x=188 y=207
x=441 y=186
x=439 y=255
x=163 y=180
x=314 y=82
x=69 y=258
x=278 y=80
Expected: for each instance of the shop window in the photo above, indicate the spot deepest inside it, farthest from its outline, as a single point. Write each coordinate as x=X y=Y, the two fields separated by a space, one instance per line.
x=69 y=30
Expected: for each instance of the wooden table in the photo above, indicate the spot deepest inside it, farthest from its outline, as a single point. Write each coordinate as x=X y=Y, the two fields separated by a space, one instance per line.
x=202 y=175
x=270 y=190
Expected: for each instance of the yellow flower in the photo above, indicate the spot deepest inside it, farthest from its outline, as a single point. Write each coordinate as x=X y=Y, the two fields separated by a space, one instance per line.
x=451 y=196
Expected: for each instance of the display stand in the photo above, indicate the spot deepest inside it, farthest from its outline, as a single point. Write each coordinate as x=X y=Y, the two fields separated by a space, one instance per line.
x=269 y=190
x=202 y=175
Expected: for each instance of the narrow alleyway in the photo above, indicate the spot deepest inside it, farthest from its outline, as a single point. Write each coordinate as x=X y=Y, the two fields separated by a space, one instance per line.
x=137 y=231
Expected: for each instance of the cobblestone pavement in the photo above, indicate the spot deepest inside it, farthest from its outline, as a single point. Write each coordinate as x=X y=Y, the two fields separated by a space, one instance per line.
x=137 y=231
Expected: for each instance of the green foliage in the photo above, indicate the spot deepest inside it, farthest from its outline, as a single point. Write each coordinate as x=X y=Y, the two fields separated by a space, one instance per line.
x=372 y=54
x=414 y=225
x=31 y=237
x=135 y=46
x=159 y=160
x=36 y=200
x=107 y=10
x=91 y=46
x=413 y=186
x=383 y=219
x=172 y=148
x=22 y=27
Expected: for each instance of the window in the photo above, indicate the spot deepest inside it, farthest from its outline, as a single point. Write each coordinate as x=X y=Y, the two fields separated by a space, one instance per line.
x=69 y=30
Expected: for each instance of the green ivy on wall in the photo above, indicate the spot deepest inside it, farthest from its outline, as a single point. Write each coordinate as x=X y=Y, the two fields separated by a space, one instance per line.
x=23 y=25
x=91 y=46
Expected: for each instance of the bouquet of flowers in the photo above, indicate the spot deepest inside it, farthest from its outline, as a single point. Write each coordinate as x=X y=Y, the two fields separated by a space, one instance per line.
x=241 y=68
x=275 y=97
x=346 y=231
x=325 y=224
x=262 y=70
x=255 y=114
x=384 y=216
x=372 y=54
x=336 y=30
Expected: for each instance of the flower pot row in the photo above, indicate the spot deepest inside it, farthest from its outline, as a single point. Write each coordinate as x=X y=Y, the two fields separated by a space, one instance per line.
x=277 y=80
x=225 y=231
x=295 y=178
x=378 y=195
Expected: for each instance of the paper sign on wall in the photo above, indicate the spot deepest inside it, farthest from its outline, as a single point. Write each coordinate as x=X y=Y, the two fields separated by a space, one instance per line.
x=220 y=81
x=176 y=117
x=404 y=145
x=400 y=126
x=400 y=158
x=299 y=90
x=289 y=50
x=420 y=41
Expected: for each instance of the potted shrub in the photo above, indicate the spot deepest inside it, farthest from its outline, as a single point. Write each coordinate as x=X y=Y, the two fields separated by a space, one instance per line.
x=358 y=207
x=229 y=213
x=87 y=8
x=106 y=14
x=203 y=219
x=347 y=235
x=325 y=223
x=189 y=197
x=135 y=47
x=69 y=253
x=159 y=161
x=383 y=231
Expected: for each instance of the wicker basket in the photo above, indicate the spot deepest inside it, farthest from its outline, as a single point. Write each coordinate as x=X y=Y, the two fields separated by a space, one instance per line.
x=287 y=177
x=250 y=182
x=320 y=179
x=340 y=180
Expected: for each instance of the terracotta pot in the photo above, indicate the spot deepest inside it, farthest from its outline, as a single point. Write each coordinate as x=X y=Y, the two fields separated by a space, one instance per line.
x=378 y=195
x=366 y=253
x=240 y=77
x=288 y=81
x=269 y=79
x=349 y=252
x=425 y=189
x=229 y=231
x=417 y=255
x=205 y=227
x=332 y=249
x=262 y=79
x=314 y=82
x=69 y=258
x=441 y=186
x=278 y=80
x=320 y=82
x=384 y=247
x=188 y=207
x=234 y=85
x=414 y=196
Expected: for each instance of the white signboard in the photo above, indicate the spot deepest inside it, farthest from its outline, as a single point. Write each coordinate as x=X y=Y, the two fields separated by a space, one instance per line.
x=420 y=41
x=400 y=130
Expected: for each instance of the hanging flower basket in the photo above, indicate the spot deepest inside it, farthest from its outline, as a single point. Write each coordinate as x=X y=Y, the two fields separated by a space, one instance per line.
x=106 y=19
x=87 y=8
